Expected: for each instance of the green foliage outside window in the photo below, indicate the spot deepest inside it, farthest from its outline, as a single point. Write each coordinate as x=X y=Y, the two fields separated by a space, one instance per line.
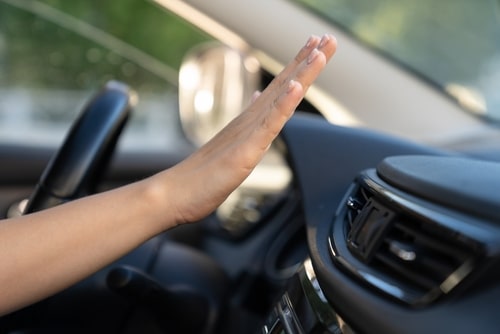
x=80 y=44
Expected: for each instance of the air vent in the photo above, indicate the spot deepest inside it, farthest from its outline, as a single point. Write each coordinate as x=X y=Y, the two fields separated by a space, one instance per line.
x=399 y=247
x=424 y=258
x=367 y=228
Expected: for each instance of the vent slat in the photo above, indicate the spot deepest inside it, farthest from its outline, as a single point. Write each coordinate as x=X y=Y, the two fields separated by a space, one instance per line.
x=410 y=276
x=435 y=242
x=432 y=264
x=434 y=256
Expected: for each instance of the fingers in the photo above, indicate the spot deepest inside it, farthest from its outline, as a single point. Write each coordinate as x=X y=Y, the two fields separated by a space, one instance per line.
x=304 y=69
x=271 y=108
x=326 y=45
x=277 y=102
x=229 y=157
x=303 y=53
x=311 y=44
x=308 y=69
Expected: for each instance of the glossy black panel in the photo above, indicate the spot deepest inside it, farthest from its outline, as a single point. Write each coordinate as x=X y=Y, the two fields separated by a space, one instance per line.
x=464 y=184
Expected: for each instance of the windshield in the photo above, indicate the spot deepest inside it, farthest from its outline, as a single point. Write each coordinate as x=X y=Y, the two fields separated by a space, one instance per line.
x=454 y=44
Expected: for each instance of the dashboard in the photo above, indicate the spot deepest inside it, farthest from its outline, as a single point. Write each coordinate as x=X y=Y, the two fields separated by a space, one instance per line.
x=402 y=238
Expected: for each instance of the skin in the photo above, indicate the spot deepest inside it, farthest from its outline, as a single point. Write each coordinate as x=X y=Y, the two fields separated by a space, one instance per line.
x=48 y=251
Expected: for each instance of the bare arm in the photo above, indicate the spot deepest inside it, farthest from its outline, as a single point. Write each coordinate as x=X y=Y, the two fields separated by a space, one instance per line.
x=45 y=252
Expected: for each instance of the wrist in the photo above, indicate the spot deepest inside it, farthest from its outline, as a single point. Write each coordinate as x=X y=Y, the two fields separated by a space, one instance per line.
x=161 y=201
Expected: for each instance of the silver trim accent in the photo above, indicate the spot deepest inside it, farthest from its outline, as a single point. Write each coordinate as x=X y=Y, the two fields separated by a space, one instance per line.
x=324 y=312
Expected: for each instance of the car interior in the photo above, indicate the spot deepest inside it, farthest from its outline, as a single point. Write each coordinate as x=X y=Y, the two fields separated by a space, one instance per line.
x=342 y=228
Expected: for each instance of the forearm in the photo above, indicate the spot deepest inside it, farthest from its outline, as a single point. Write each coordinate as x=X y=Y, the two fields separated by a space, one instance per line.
x=48 y=251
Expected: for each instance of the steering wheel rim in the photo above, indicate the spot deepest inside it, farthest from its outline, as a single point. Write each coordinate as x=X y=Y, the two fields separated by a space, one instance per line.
x=77 y=166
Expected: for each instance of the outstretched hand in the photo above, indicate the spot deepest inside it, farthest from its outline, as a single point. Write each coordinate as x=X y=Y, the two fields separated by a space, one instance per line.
x=205 y=179
x=45 y=252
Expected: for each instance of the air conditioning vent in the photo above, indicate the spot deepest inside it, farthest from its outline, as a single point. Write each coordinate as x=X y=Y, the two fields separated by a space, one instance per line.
x=400 y=247
x=424 y=258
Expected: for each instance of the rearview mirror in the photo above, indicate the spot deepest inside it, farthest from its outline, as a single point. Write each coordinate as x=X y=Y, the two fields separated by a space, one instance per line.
x=216 y=83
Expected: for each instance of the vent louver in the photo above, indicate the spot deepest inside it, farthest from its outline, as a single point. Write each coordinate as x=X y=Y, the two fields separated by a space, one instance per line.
x=411 y=257
x=424 y=260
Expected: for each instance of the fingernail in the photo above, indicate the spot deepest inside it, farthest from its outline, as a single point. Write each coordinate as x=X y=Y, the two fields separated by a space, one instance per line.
x=309 y=41
x=323 y=41
x=314 y=53
x=291 y=85
x=255 y=95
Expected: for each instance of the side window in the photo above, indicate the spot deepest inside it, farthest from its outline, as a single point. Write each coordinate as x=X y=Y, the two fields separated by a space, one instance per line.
x=55 y=54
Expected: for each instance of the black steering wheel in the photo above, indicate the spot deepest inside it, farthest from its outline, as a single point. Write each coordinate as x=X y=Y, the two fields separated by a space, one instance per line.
x=76 y=168
x=74 y=172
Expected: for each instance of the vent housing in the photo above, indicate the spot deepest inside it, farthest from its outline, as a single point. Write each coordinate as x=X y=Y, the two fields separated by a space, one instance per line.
x=402 y=245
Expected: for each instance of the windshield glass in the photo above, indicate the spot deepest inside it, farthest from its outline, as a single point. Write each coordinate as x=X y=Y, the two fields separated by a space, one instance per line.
x=55 y=54
x=454 y=44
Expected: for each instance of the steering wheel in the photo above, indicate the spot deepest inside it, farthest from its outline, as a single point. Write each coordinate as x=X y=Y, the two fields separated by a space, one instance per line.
x=75 y=169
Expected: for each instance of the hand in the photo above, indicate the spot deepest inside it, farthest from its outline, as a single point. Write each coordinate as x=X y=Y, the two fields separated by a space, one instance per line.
x=45 y=252
x=205 y=179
